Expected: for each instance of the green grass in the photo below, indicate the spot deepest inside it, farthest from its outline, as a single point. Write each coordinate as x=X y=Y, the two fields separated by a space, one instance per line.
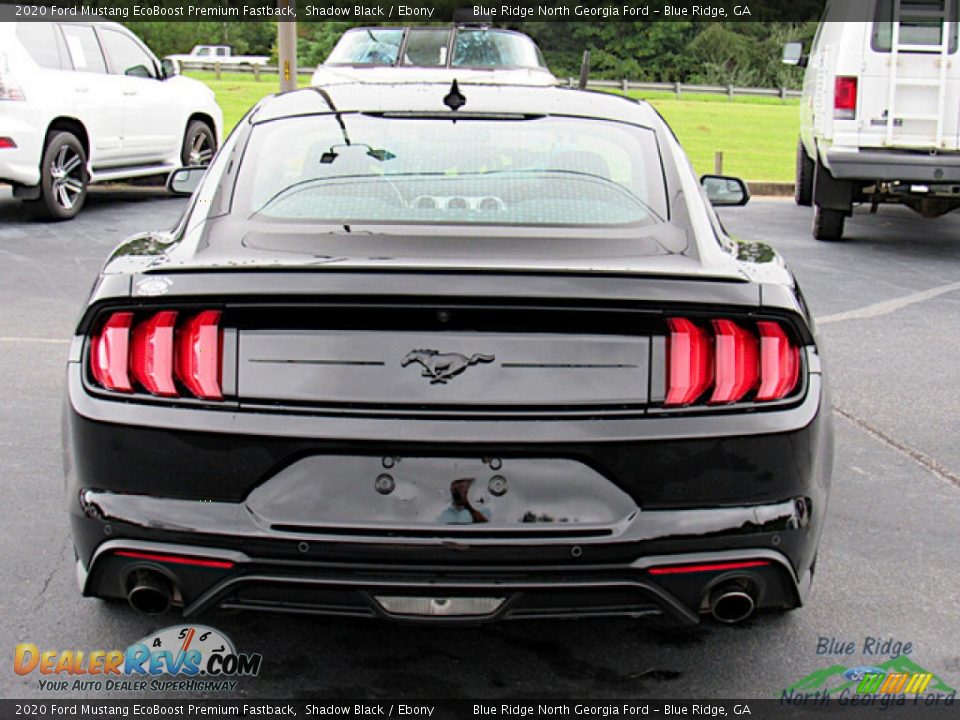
x=758 y=136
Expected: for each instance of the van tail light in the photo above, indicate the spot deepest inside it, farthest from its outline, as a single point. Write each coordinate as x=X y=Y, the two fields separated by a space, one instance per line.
x=731 y=358
x=845 y=97
x=690 y=367
x=108 y=353
x=199 y=355
x=162 y=353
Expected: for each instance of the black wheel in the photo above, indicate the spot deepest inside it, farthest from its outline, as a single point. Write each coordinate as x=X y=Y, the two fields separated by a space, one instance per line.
x=199 y=144
x=828 y=224
x=63 y=178
x=803 y=192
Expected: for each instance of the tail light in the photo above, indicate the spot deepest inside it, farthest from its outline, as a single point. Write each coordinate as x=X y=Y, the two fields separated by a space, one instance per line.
x=6 y=142
x=9 y=90
x=845 y=97
x=163 y=354
x=730 y=358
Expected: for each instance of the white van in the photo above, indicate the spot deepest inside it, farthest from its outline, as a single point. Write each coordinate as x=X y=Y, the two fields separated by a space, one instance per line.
x=880 y=114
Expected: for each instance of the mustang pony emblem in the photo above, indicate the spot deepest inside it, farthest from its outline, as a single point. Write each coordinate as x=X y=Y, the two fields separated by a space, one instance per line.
x=440 y=367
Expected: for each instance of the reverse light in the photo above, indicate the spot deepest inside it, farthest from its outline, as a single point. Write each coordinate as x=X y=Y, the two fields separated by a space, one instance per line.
x=160 y=354
x=845 y=97
x=733 y=358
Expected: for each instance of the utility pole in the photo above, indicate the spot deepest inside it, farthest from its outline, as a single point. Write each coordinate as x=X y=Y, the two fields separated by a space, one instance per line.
x=287 y=48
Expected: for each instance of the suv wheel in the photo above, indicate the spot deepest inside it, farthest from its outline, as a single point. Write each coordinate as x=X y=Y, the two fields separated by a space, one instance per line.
x=803 y=192
x=63 y=177
x=199 y=144
x=828 y=224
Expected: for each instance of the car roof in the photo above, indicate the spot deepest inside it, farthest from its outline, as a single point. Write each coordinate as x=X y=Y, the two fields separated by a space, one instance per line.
x=428 y=97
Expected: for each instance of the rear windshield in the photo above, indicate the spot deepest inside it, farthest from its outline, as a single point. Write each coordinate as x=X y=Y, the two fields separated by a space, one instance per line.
x=921 y=24
x=356 y=168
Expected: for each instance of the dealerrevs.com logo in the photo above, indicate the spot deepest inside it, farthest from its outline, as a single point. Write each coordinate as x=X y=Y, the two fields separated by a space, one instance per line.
x=204 y=659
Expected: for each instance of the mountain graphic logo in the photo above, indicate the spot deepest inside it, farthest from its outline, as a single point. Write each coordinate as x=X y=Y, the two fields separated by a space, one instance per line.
x=899 y=675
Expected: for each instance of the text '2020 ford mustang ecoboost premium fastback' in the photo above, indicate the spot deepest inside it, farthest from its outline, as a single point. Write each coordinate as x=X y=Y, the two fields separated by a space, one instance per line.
x=456 y=352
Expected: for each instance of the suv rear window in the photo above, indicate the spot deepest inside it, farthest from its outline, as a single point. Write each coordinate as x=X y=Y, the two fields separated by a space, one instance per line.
x=919 y=24
x=544 y=171
x=40 y=40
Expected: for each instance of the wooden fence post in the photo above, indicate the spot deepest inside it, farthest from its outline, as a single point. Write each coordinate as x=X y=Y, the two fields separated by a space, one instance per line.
x=216 y=69
x=676 y=88
x=718 y=163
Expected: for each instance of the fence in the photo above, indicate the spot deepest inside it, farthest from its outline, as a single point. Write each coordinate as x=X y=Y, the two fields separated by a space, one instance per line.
x=676 y=88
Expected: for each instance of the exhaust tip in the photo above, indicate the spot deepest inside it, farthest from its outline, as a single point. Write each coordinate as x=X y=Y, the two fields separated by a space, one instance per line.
x=731 y=604
x=150 y=592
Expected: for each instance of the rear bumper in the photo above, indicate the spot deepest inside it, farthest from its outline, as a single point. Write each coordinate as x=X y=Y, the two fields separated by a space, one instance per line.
x=508 y=592
x=891 y=165
x=21 y=165
x=746 y=485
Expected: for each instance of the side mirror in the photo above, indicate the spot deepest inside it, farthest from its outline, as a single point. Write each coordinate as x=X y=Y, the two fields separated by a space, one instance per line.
x=171 y=68
x=793 y=55
x=185 y=180
x=140 y=71
x=725 y=191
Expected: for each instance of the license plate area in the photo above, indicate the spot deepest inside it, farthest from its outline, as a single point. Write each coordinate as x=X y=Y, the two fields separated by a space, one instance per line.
x=429 y=495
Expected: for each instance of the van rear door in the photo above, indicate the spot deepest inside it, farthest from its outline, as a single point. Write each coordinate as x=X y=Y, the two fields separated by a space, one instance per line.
x=909 y=95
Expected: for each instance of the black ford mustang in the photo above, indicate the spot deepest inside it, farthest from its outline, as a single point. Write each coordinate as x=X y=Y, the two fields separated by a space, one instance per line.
x=458 y=353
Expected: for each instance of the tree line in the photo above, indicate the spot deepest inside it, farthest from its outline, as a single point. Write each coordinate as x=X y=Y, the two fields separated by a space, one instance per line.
x=744 y=54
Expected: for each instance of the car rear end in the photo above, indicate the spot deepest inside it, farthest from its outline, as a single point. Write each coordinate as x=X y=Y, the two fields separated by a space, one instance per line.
x=513 y=390
x=279 y=450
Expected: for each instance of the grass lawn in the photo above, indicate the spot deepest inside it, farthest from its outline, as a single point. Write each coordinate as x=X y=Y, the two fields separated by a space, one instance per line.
x=758 y=136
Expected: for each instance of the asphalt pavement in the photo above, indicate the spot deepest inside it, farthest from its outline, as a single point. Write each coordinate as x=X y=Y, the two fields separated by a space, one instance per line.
x=888 y=303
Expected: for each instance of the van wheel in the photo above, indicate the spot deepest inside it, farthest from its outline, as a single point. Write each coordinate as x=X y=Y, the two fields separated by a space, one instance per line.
x=199 y=144
x=828 y=224
x=803 y=192
x=63 y=178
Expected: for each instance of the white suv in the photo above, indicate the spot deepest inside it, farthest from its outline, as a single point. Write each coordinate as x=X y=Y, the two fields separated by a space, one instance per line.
x=86 y=102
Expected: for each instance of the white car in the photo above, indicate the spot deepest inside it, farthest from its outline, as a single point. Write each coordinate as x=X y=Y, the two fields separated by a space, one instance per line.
x=222 y=54
x=467 y=52
x=87 y=102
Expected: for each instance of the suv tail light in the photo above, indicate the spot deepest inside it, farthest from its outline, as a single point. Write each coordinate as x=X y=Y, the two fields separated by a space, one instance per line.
x=845 y=98
x=159 y=352
x=732 y=359
x=9 y=90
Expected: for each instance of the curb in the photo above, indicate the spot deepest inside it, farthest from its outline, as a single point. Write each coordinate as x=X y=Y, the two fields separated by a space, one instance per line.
x=771 y=189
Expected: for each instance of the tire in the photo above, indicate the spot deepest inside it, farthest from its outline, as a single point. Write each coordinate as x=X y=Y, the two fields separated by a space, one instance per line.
x=63 y=178
x=199 y=144
x=803 y=192
x=828 y=224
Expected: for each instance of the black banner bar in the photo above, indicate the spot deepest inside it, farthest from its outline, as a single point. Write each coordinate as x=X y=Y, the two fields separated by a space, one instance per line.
x=855 y=707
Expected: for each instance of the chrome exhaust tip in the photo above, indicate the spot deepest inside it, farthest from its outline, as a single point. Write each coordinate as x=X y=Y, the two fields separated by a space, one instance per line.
x=149 y=592
x=731 y=604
